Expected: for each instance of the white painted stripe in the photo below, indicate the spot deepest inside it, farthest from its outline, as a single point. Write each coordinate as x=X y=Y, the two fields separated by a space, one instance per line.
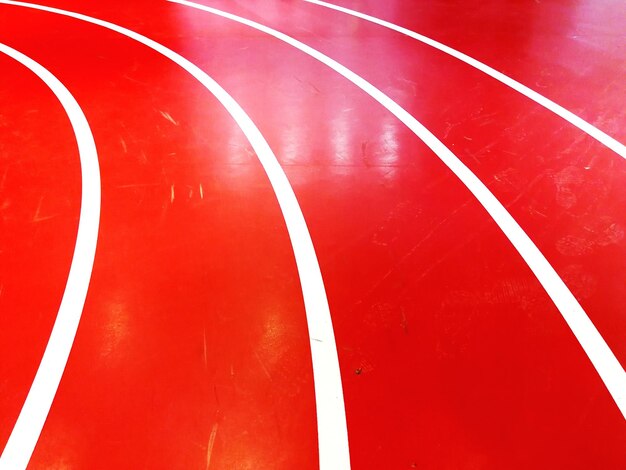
x=34 y=412
x=331 y=417
x=590 y=339
x=583 y=125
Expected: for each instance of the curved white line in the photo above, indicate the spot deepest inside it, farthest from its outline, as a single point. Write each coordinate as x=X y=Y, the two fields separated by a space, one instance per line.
x=601 y=356
x=331 y=418
x=557 y=109
x=35 y=410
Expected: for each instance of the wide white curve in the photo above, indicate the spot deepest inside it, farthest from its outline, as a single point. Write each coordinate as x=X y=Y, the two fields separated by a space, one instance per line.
x=557 y=109
x=332 y=430
x=32 y=417
x=601 y=356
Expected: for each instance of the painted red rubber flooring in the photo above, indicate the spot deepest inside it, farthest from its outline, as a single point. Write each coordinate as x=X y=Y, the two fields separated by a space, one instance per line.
x=193 y=349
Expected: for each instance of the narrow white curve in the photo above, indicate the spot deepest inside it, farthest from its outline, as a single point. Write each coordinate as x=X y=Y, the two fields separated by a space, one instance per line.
x=32 y=417
x=557 y=109
x=601 y=356
x=332 y=430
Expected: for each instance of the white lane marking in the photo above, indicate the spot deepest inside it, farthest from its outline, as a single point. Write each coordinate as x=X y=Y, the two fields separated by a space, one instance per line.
x=557 y=109
x=601 y=356
x=35 y=410
x=331 y=415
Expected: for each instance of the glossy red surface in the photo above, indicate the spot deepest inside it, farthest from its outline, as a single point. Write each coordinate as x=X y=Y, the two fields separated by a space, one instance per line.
x=193 y=348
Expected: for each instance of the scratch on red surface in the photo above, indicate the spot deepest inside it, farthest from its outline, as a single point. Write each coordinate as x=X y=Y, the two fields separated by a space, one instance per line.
x=169 y=117
x=210 y=445
x=267 y=372
x=204 y=346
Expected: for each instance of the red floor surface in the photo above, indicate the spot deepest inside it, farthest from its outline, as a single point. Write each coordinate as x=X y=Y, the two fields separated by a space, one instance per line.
x=193 y=350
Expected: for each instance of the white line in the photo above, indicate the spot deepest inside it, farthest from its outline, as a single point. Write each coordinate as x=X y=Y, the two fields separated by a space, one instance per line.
x=331 y=418
x=34 y=412
x=557 y=109
x=599 y=353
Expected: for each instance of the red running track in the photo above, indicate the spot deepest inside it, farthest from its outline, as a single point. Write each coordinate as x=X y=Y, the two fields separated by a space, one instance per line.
x=193 y=350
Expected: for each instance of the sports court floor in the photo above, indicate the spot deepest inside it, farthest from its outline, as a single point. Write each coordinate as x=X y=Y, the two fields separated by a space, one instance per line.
x=291 y=235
